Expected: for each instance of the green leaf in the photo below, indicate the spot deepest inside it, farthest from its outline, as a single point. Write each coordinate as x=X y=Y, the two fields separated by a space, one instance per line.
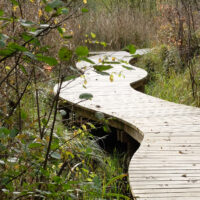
x=60 y=30
x=56 y=155
x=65 y=11
x=82 y=51
x=48 y=60
x=24 y=115
x=111 y=62
x=86 y=96
x=102 y=68
x=3 y=39
x=65 y=54
x=4 y=132
x=55 y=145
x=57 y=179
x=14 y=2
x=55 y=4
x=2 y=44
x=111 y=181
x=6 y=19
x=1 y=13
x=35 y=145
x=2 y=147
x=16 y=47
x=5 y=52
x=44 y=121
x=68 y=78
x=103 y=73
x=33 y=40
x=106 y=128
x=63 y=113
x=48 y=8
x=26 y=23
x=103 y=44
x=14 y=133
x=29 y=54
x=68 y=37
x=126 y=67
x=84 y=10
x=35 y=32
x=87 y=60
x=23 y=69
x=26 y=37
x=91 y=125
x=131 y=48
x=99 y=115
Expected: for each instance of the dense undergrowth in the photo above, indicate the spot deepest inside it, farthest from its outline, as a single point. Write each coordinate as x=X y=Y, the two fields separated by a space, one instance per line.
x=40 y=157
x=168 y=79
x=40 y=42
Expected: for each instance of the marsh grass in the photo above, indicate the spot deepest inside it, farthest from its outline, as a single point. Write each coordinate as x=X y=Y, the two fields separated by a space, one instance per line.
x=117 y=24
x=169 y=78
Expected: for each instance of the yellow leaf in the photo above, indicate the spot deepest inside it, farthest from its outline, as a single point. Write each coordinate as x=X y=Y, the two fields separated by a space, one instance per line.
x=64 y=30
x=75 y=132
x=84 y=127
x=55 y=21
x=21 y=136
x=113 y=58
x=38 y=140
x=84 y=1
x=47 y=138
x=60 y=165
x=40 y=13
x=111 y=78
x=8 y=67
x=15 y=8
x=93 y=35
x=16 y=166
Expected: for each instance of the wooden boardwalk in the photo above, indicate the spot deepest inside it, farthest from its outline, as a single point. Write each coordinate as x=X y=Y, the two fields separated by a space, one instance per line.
x=167 y=163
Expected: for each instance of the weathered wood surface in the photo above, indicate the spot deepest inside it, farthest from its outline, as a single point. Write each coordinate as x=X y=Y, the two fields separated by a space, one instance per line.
x=167 y=164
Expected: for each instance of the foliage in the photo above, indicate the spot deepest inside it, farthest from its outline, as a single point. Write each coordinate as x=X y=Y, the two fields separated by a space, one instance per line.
x=167 y=81
x=114 y=24
x=145 y=23
x=40 y=158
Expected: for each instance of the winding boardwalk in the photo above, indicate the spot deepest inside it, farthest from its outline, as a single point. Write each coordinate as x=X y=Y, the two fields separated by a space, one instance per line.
x=167 y=164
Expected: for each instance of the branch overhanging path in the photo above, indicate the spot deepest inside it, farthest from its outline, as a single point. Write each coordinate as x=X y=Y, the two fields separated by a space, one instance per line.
x=167 y=164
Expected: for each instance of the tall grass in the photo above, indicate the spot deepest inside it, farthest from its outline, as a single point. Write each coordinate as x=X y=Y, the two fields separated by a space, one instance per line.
x=168 y=80
x=117 y=23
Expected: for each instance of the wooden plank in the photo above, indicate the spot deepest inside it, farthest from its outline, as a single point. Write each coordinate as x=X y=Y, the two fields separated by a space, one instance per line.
x=167 y=164
x=167 y=198
x=166 y=186
x=165 y=183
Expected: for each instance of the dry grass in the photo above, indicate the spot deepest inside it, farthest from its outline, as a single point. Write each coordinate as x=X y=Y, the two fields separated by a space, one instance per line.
x=118 y=27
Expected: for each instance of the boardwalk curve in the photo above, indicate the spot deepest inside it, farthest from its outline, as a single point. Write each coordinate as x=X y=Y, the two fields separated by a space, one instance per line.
x=167 y=164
